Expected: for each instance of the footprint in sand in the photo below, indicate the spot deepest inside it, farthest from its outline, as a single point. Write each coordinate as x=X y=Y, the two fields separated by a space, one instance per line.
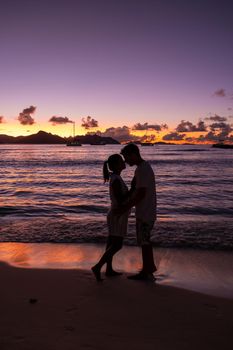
x=72 y=309
x=70 y=328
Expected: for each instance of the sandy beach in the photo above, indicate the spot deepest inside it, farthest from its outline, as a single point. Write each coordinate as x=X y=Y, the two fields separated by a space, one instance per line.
x=68 y=309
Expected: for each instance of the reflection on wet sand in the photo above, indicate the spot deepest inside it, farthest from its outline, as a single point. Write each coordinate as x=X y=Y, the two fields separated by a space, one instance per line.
x=64 y=256
x=203 y=271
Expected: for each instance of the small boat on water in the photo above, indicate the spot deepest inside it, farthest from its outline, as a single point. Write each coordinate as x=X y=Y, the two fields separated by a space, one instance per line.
x=222 y=145
x=101 y=143
x=74 y=142
x=147 y=144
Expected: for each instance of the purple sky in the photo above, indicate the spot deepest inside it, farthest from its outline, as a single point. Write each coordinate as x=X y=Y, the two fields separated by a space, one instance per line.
x=121 y=62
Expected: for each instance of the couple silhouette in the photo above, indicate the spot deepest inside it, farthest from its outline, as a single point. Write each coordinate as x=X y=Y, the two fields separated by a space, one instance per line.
x=142 y=196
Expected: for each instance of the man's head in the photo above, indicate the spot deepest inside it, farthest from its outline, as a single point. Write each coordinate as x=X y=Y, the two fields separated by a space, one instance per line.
x=131 y=154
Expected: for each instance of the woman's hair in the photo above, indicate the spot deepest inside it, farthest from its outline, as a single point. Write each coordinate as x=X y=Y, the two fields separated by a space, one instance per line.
x=110 y=165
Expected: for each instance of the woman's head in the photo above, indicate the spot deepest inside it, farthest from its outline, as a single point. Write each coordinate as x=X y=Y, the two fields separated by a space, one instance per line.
x=115 y=163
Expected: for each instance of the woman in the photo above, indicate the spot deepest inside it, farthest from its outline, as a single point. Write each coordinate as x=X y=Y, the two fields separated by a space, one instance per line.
x=117 y=224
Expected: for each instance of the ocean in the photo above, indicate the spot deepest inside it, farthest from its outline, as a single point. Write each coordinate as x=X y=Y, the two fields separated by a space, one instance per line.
x=55 y=193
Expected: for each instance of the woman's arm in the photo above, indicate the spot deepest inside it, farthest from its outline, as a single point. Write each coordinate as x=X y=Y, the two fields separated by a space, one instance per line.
x=117 y=191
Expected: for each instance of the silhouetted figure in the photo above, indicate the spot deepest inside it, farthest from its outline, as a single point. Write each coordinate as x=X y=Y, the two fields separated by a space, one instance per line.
x=144 y=200
x=117 y=224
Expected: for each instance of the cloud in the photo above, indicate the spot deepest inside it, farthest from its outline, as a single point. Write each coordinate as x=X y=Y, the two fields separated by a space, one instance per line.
x=220 y=126
x=211 y=136
x=147 y=126
x=190 y=139
x=220 y=93
x=89 y=123
x=229 y=109
x=59 y=120
x=148 y=138
x=173 y=136
x=186 y=126
x=221 y=130
x=216 y=118
x=1 y=119
x=121 y=134
x=218 y=131
x=25 y=117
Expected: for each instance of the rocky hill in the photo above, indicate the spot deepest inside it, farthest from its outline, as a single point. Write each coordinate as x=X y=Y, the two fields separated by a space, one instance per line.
x=43 y=137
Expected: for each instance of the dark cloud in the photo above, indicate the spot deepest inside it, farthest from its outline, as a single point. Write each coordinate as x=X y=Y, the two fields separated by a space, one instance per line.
x=121 y=134
x=1 y=119
x=147 y=126
x=218 y=131
x=173 y=136
x=190 y=139
x=229 y=109
x=216 y=118
x=220 y=93
x=59 y=120
x=220 y=126
x=25 y=117
x=148 y=138
x=186 y=126
x=210 y=136
x=89 y=123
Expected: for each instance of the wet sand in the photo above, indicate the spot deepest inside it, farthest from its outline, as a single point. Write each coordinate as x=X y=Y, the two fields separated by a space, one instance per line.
x=204 y=271
x=68 y=309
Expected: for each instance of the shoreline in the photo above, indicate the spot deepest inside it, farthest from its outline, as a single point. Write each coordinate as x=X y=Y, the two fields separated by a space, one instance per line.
x=168 y=232
x=208 y=272
x=68 y=309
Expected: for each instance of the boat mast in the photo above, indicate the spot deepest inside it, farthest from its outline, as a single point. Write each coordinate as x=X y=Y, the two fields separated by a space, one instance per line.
x=73 y=129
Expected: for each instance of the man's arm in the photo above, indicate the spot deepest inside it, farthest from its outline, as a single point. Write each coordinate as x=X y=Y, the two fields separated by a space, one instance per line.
x=133 y=186
x=139 y=194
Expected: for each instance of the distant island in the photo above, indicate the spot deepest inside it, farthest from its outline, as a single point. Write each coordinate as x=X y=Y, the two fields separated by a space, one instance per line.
x=43 y=137
x=222 y=145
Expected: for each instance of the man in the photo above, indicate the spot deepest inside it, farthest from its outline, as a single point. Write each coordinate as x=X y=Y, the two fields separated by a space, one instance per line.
x=144 y=200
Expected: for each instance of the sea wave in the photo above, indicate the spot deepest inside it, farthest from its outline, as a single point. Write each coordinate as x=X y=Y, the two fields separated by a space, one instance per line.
x=59 y=210
x=56 y=187
x=166 y=233
x=48 y=210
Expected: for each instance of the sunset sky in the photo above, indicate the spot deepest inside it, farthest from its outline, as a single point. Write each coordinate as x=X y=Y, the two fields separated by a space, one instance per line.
x=121 y=62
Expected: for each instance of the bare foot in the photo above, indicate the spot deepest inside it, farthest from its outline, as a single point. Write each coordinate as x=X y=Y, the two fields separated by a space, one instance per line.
x=97 y=274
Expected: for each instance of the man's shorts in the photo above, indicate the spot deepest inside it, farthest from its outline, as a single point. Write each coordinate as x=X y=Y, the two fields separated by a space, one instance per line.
x=143 y=231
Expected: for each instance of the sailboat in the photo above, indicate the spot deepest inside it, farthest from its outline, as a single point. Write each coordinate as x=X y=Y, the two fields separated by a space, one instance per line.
x=73 y=143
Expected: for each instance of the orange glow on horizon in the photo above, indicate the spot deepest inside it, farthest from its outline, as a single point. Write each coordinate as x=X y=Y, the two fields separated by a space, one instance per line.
x=63 y=130
x=66 y=130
